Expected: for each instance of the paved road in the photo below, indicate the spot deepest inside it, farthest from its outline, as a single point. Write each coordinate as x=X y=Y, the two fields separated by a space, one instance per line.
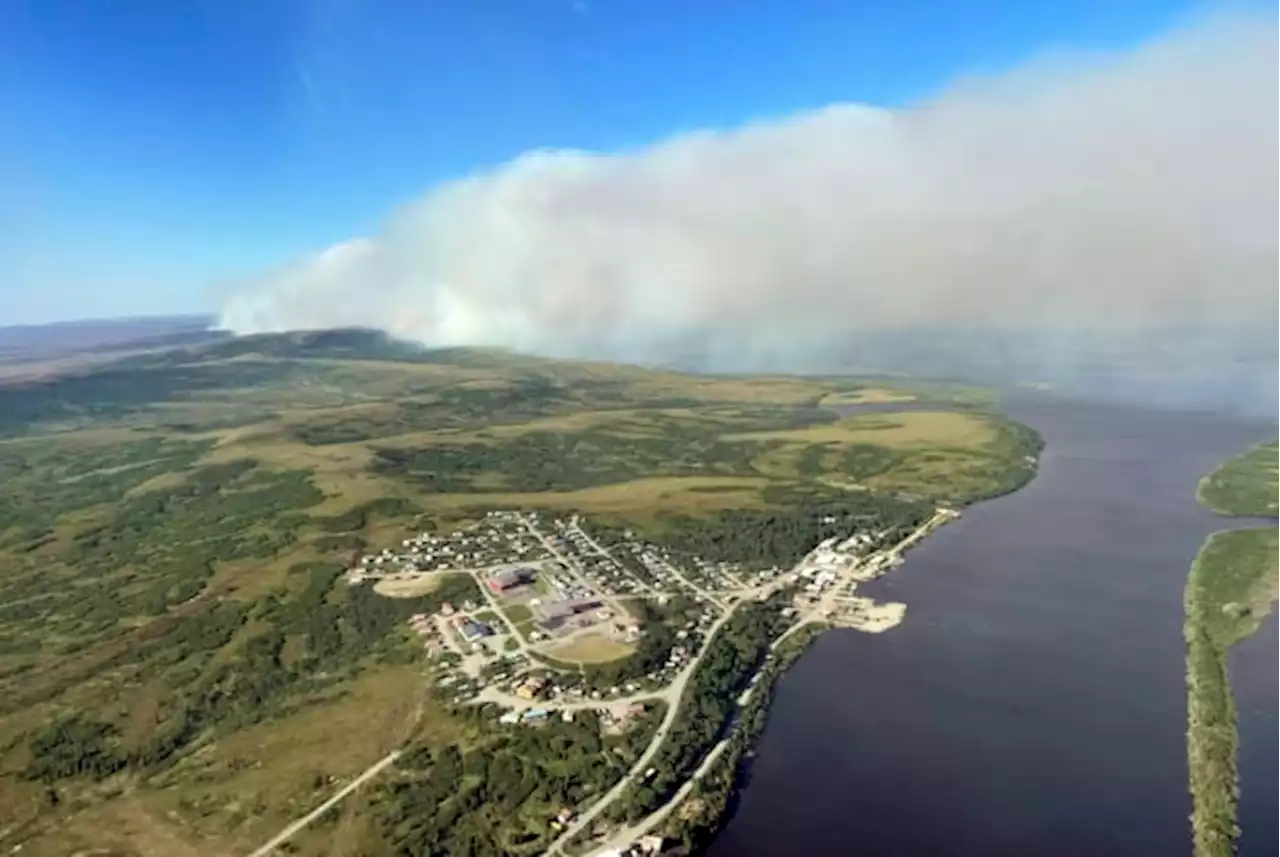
x=673 y=693
x=496 y=606
x=292 y=830
x=939 y=518
x=677 y=689
x=610 y=796
x=732 y=578
x=572 y=566
x=679 y=575
x=603 y=551
x=644 y=826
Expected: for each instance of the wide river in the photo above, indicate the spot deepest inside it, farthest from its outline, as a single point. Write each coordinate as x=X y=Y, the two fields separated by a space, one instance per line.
x=1033 y=701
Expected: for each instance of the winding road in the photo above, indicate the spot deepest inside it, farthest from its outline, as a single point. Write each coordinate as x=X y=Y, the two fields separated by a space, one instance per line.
x=672 y=694
x=644 y=826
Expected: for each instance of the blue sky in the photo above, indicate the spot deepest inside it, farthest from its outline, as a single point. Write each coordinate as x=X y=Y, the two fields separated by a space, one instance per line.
x=149 y=148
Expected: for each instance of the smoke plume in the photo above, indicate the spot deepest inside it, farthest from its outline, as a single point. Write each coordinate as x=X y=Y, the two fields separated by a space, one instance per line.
x=1109 y=194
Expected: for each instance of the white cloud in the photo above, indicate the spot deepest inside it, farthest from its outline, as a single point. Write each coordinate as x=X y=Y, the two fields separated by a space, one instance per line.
x=1113 y=191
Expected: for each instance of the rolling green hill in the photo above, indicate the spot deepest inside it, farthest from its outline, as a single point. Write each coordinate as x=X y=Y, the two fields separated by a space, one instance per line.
x=173 y=524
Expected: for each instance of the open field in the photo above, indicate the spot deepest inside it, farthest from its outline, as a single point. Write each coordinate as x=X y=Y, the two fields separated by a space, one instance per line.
x=867 y=396
x=591 y=649
x=518 y=613
x=406 y=588
x=771 y=391
x=639 y=497
x=180 y=661
x=947 y=454
x=1232 y=587
x=909 y=428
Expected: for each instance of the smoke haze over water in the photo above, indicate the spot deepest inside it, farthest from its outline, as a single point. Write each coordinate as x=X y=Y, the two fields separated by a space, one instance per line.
x=1106 y=195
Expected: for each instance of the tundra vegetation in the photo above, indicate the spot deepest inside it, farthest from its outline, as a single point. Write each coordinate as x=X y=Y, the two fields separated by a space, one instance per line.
x=1231 y=590
x=182 y=669
x=1243 y=485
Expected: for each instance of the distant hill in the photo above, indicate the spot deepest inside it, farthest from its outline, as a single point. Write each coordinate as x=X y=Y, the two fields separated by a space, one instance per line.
x=1234 y=370
x=38 y=342
x=361 y=344
x=341 y=343
x=175 y=629
x=201 y=369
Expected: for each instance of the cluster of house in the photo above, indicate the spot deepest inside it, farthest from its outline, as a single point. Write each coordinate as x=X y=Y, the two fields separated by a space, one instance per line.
x=657 y=561
x=461 y=686
x=573 y=687
x=423 y=626
x=473 y=630
x=615 y=720
x=531 y=716
x=600 y=568
x=469 y=629
x=612 y=719
x=497 y=539
x=531 y=687
x=876 y=566
x=647 y=562
x=832 y=558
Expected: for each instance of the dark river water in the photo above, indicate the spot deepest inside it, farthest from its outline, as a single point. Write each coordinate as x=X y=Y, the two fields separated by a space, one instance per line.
x=1033 y=702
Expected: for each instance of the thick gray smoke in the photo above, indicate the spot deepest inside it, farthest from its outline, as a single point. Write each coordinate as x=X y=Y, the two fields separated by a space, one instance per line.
x=1100 y=193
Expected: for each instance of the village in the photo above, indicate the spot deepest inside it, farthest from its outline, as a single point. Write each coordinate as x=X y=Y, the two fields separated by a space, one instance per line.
x=556 y=608
x=552 y=602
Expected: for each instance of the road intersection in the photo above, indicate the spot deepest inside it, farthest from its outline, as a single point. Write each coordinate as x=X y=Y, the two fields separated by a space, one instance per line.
x=850 y=569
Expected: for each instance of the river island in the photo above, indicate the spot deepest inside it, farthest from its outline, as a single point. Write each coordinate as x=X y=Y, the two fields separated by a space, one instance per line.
x=1231 y=590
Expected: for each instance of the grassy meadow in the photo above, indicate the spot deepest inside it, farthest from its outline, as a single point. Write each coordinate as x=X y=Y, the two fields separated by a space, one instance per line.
x=591 y=649
x=182 y=670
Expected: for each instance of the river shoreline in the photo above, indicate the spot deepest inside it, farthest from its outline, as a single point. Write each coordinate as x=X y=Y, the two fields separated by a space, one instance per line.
x=1230 y=594
x=1223 y=610
x=729 y=772
x=732 y=771
x=1035 y=701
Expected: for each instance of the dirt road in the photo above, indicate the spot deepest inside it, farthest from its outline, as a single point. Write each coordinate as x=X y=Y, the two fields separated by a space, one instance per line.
x=301 y=824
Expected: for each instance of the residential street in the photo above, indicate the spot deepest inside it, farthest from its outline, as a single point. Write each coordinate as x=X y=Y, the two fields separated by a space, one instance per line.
x=672 y=694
